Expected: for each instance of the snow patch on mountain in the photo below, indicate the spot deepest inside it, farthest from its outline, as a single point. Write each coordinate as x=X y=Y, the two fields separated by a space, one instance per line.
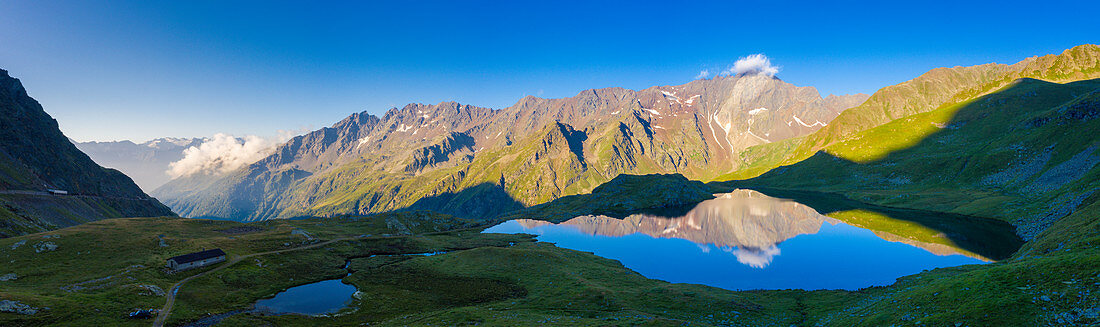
x=818 y=123
x=758 y=137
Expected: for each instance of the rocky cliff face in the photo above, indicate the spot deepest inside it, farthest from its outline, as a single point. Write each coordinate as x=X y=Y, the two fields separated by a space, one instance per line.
x=440 y=156
x=36 y=158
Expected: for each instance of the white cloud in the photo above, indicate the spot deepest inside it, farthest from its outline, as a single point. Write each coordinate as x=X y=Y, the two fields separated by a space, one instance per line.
x=756 y=258
x=224 y=153
x=757 y=64
x=703 y=74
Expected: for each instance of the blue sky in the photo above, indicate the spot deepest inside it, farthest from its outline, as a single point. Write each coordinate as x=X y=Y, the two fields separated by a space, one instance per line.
x=139 y=70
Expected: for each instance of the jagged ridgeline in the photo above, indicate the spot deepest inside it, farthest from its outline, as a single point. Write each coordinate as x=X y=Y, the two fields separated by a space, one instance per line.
x=480 y=162
x=46 y=182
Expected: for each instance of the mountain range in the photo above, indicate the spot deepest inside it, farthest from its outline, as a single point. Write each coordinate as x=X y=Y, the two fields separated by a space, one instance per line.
x=147 y=162
x=480 y=162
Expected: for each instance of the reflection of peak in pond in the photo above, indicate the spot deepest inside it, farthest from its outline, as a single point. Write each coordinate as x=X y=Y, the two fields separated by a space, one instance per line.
x=745 y=219
x=746 y=222
x=747 y=240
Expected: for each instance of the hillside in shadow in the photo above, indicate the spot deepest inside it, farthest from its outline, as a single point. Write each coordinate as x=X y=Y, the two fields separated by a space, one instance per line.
x=658 y=194
x=1025 y=154
x=483 y=201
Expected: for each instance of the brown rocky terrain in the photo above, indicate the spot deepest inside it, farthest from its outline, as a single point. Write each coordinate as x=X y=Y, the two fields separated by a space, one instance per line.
x=450 y=156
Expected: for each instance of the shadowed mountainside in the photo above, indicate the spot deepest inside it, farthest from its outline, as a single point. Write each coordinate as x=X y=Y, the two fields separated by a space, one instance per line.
x=656 y=194
x=35 y=158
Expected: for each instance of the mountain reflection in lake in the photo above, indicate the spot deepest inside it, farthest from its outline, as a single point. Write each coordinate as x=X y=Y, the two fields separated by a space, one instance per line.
x=747 y=240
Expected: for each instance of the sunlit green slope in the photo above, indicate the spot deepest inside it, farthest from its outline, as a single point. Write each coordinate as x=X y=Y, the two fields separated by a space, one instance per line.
x=937 y=89
x=1026 y=153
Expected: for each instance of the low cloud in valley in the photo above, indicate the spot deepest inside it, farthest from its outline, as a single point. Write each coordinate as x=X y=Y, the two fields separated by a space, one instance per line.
x=224 y=153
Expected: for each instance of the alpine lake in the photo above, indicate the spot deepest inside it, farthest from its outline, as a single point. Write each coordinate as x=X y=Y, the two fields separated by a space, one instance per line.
x=746 y=240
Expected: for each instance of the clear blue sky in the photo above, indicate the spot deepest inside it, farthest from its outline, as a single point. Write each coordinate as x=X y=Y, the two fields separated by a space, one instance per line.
x=138 y=70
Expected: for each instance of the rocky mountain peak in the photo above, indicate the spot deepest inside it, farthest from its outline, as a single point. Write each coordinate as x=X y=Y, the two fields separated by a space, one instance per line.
x=546 y=148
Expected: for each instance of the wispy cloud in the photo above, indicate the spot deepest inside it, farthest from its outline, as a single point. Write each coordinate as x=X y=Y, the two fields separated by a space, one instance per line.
x=224 y=153
x=756 y=64
x=703 y=74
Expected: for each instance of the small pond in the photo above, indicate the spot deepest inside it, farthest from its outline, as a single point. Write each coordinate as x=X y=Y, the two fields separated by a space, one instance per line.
x=323 y=297
x=746 y=240
x=318 y=298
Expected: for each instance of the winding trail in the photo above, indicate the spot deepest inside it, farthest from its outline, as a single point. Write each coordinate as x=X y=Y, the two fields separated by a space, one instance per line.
x=171 y=296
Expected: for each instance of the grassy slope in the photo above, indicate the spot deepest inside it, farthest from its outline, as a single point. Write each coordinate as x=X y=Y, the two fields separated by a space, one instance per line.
x=945 y=87
x=762 y=158
x=1015 y=154
x=129 y=250
x=1022 y=154
x=936 y=89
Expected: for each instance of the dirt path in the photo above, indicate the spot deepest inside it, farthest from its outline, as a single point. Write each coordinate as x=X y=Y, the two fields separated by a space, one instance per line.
x=171 y=296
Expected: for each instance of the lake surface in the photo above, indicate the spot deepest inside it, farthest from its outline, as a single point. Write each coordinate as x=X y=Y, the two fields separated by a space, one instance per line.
x=318 y=298
x=746 y=240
